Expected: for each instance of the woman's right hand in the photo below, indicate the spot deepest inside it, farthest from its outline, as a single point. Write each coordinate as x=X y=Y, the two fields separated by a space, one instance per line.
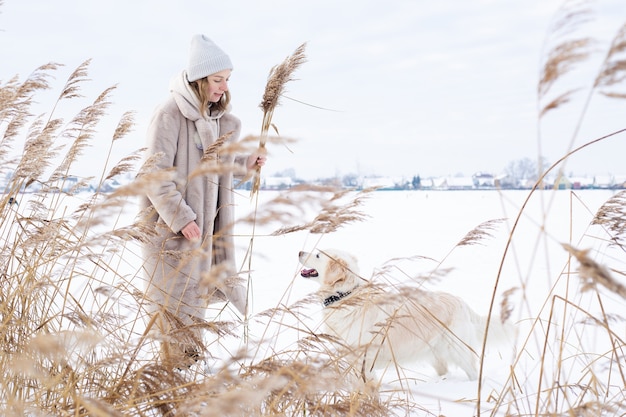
x=191 y=231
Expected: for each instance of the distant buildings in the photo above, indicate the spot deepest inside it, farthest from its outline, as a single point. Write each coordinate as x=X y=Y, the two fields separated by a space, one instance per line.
x=69 y=184
x=277 y=183
x=478 y=181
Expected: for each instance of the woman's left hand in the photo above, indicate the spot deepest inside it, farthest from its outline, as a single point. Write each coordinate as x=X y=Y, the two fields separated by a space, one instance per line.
x=256 y=159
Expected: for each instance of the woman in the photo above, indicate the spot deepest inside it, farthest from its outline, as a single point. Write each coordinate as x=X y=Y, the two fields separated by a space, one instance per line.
x=190 y=260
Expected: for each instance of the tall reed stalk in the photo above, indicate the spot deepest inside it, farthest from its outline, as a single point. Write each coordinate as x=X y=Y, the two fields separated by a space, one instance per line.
x=278 y=77
x=568 y=50
x=76 y=341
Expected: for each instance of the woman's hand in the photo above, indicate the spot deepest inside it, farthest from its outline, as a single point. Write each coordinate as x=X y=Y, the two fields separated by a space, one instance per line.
x=256 y=159
x=191 y=231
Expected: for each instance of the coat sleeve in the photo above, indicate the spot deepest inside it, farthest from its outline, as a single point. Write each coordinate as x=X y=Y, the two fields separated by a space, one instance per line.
x=163 y=133
x=232 y=124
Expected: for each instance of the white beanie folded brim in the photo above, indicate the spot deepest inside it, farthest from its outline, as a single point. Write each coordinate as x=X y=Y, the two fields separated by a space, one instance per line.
x=206 y=58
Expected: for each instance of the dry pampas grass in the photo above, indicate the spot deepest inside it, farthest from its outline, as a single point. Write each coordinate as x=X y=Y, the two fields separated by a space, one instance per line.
x=611 y=216
x=482 y=231
x=278 y=77
x=565 y=53
x=76 y=340
x=554 y=393
x=592 y=273
x=70 y=325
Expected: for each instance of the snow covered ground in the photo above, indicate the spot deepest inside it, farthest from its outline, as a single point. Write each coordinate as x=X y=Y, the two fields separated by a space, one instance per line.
x=407 y=235
x=417 y=232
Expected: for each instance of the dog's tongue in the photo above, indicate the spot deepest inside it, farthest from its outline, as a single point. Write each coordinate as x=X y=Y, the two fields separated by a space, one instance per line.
x=308 y=273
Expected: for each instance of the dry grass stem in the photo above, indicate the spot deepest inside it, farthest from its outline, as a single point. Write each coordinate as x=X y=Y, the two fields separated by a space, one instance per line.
x=278 y=77
x=562 y=59
x=38 y=152
x=15 y=102
x=77 y=340
x=506 y=306
x=565 y=55
x=336 y=208
x=593 y=273
x=125 y=125
x=612 y=216
x=613 y=72
x=125 y=165
x=81 y=130
x=482 y=231
x=76 y=79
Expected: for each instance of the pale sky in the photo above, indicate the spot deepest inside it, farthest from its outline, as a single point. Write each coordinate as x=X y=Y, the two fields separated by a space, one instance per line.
x=415 y=87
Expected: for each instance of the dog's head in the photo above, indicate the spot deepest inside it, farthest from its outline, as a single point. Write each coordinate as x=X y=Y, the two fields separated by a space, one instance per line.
x=333 y=269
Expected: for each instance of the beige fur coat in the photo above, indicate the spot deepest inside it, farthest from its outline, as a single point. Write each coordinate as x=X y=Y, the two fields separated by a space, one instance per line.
x=179 y=271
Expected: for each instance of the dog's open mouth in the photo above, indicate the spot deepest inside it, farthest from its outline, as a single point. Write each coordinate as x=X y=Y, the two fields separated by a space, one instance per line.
x=309 y=273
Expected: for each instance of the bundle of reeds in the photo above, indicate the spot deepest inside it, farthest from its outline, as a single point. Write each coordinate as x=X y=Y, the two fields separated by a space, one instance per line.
x=278 y=77
x=72 y=343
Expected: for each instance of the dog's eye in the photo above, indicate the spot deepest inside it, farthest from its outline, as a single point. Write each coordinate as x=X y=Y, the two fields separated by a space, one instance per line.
x=317 y=255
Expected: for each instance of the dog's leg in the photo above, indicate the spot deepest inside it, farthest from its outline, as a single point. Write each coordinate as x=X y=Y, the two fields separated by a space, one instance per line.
x=468 y=363
x=471 y=372
x=440 y=365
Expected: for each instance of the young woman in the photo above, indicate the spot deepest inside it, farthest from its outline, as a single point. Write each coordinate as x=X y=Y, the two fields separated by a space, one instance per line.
x=189 y=261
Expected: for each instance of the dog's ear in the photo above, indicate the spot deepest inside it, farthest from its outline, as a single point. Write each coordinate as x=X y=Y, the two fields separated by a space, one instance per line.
x=338 y=271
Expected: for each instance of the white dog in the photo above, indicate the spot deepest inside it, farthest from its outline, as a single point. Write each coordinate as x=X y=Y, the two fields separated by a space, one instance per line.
x=382 y=327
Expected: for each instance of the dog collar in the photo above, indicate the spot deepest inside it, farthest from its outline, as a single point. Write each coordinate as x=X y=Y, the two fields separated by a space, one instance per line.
x=335 y=297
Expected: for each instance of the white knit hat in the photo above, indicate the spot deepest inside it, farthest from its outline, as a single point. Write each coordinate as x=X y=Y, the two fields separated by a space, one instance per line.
x=206 y=58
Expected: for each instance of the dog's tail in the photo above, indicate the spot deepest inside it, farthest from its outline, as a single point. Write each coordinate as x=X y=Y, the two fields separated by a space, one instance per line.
x=500 y=332
x=501 y=336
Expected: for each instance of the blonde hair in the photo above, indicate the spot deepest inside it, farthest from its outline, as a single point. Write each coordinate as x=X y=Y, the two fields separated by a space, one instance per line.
x=200 y=87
